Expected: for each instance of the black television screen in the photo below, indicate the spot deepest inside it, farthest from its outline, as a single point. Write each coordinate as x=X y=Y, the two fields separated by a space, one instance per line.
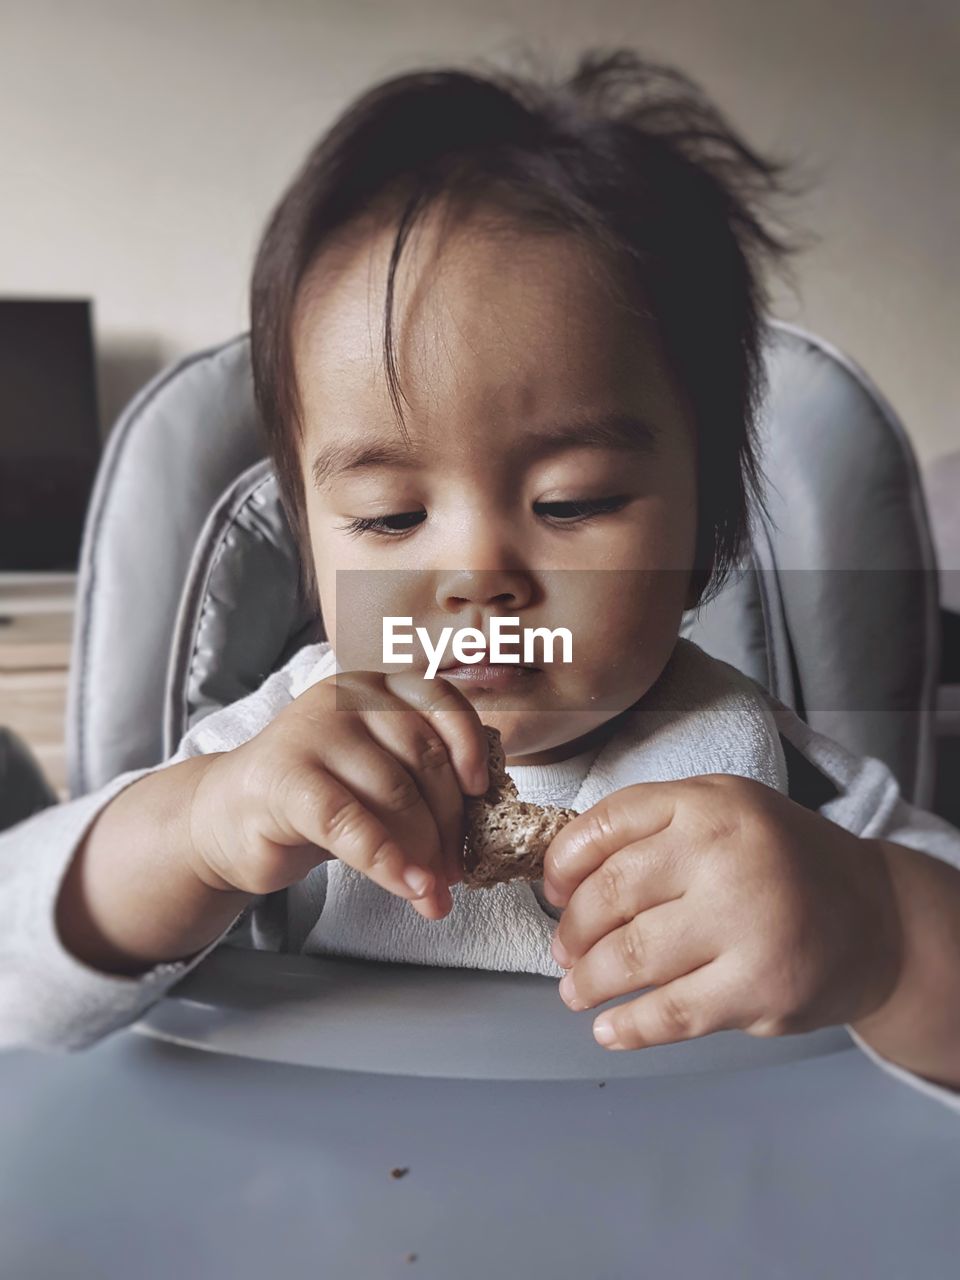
x=49 y=431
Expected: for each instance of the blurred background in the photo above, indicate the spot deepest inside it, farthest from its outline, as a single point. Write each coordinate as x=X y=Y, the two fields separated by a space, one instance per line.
x=143 y=146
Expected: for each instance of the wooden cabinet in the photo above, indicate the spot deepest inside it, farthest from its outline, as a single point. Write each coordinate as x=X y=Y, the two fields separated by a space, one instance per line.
x=36 y=624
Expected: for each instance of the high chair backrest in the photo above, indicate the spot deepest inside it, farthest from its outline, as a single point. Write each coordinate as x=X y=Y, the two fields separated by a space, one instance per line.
x=187 y=592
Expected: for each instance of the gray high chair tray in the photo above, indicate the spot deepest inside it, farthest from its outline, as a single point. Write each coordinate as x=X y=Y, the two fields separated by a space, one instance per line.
x=458 y=1124
x=419 y=1020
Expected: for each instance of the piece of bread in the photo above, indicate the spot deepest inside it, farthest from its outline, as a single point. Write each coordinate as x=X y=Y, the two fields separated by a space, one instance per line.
x=506 y=836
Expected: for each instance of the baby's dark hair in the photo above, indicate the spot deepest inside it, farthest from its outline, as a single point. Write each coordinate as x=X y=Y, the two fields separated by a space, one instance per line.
x=624 y=151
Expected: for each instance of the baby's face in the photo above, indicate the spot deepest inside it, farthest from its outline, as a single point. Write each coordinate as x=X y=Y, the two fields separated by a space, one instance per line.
x=549 y=472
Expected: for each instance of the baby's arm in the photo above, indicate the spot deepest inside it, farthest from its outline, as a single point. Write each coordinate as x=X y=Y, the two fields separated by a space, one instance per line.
x=158 y=864
x=173 y=858
x=132 y=896
x=915 y=1036
x=51 y=998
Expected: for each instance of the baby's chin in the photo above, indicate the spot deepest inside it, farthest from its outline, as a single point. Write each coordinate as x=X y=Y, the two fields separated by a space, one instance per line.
x=545 y=721
x=544 y=737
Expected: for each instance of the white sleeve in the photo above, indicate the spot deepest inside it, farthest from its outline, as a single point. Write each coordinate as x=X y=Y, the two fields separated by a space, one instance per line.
x=49 y=999
x=870 y=804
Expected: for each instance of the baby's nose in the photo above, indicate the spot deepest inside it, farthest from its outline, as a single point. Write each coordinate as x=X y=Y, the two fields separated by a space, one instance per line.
x=503 y=588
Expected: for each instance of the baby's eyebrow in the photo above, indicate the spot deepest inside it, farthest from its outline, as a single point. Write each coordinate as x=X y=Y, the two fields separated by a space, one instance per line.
x=593 y=431
x=333 y=460
x=627 y=431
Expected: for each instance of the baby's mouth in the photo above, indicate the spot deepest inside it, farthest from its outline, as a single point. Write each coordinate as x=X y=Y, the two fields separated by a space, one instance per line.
x=489 y=675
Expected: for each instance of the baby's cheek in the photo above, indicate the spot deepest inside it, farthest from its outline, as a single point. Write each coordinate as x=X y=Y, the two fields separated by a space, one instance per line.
x=628 y=634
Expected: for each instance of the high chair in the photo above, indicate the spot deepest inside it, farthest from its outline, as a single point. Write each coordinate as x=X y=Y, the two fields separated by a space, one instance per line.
x=363 y=1119
x=188 y=599
x=187 y=594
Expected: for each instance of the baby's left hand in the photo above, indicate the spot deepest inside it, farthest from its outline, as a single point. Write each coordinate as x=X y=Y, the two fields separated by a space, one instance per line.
x=742 y=908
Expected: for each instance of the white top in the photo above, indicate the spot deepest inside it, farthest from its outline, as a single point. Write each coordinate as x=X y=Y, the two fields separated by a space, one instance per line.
x=702 y=716
x=553 y=783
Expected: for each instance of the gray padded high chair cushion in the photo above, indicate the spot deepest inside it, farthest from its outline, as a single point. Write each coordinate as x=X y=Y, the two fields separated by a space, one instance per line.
x=241 y=615
x=835 y=611
x=179 y=443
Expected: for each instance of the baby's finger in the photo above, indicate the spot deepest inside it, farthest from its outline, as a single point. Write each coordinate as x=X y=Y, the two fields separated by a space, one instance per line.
x=323 y=810
x=639 y=876
x=453 y=717
x=654 y=947
x=389 y=790
x=631 y=814
x=416 y=744
x=694 y=1005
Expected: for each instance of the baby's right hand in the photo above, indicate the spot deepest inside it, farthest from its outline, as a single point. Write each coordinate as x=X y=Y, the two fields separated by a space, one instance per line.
x=365 y=767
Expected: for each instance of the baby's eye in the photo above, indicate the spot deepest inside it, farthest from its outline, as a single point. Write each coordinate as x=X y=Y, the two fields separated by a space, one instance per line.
x=571 y=511
x=389 y=526
x=576 y=509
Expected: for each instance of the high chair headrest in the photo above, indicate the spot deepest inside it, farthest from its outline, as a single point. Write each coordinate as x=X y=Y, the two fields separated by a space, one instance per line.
x=187 y=594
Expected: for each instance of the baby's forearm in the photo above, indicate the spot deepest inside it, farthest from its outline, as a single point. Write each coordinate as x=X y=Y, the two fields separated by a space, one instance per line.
x=131 y=897
x=919 y=1024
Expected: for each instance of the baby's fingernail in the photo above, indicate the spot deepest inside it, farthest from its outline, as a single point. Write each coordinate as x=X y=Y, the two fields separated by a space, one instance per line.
x=605 y=1034
x=420 y=881
x=551 y=893
x=560 y=953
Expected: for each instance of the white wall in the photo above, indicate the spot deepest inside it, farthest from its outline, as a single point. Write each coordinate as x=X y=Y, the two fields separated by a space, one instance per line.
x=142 y=145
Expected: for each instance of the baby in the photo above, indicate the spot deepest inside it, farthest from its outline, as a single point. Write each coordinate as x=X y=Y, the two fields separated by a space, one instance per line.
x=558 y=426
